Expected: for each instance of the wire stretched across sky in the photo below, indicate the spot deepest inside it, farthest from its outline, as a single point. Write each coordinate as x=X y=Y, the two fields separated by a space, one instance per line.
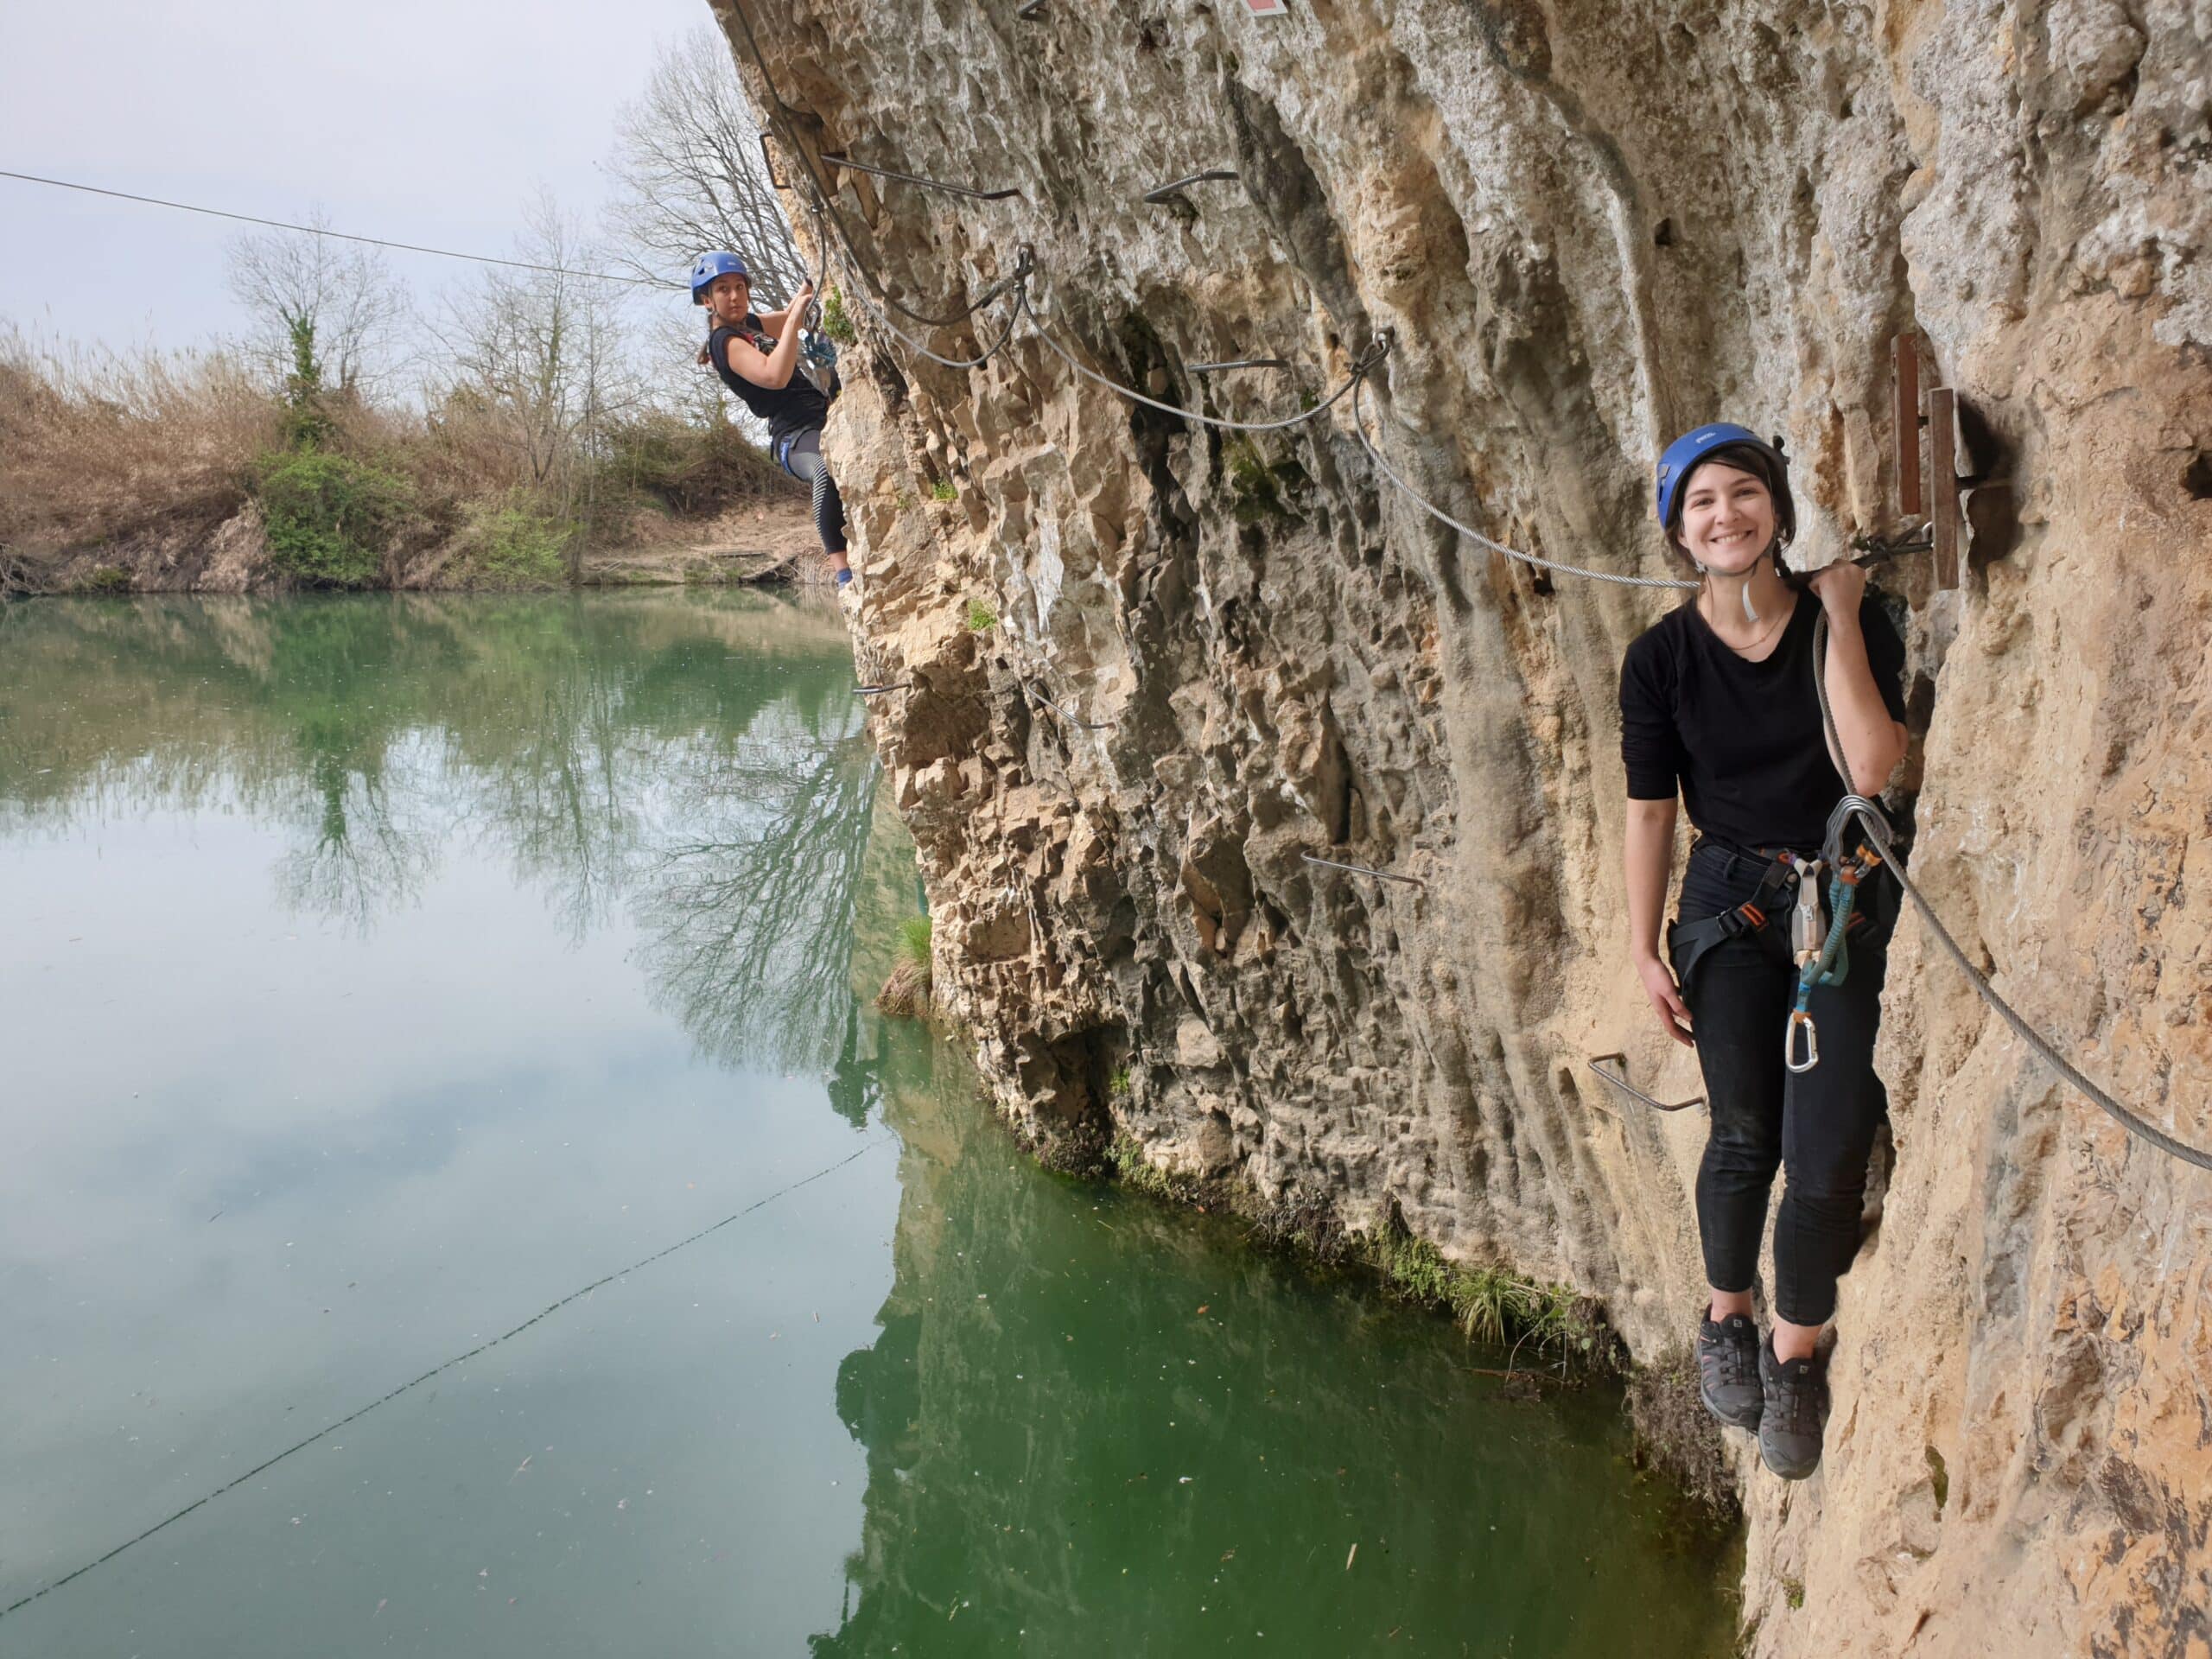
x=341 y=236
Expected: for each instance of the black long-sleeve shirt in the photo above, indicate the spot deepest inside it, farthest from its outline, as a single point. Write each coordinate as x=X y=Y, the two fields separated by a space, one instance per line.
x=1742 y=741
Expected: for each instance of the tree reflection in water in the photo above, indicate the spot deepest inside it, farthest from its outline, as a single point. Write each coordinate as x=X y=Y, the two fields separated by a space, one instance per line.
x=747 y=916
x=697 y=762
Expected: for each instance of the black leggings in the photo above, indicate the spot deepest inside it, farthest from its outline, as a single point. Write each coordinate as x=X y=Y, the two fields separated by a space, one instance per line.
x=803 y=460
x=1818 y=1125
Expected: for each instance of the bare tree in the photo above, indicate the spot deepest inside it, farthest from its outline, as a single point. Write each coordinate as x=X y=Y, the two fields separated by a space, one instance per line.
x=341 y=297
x=688 y=154
x=539 y=354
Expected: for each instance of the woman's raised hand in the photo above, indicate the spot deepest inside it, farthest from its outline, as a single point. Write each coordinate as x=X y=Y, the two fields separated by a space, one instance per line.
x=1840 y=586
x=1666 y=998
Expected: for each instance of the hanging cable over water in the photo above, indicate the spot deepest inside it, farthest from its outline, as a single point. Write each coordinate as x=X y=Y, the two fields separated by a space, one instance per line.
x=547 y=1311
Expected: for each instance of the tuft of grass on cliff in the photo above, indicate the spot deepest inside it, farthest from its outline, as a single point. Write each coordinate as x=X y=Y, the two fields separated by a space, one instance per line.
x=1125 y=1156
x=1490 y=1304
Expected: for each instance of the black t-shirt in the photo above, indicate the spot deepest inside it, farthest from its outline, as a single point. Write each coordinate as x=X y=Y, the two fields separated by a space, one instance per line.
x=1742 y=740
x=799 y=407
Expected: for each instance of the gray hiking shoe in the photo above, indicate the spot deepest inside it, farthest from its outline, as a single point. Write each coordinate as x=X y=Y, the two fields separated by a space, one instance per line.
x=1728 y=1370
x=1797 y=1400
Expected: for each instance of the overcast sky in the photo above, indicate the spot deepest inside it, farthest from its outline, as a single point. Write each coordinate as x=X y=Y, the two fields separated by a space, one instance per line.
x=421 y=120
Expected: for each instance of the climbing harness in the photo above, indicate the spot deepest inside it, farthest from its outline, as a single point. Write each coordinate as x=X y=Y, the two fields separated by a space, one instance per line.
x=1823 y=956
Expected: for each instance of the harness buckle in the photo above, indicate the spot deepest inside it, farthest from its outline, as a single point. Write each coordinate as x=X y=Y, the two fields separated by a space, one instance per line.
x=1799 y=1017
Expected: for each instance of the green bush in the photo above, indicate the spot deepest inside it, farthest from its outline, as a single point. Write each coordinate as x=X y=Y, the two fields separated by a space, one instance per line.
x=1260 y=491
x=328 y=519
x=943 y=490
x=980 y=617
x=508 y=545
x=835 y=323
x=105 y=581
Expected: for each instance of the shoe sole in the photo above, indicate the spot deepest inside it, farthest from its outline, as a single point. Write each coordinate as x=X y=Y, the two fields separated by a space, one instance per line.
x=1793 y=1471
x=1738 y=1422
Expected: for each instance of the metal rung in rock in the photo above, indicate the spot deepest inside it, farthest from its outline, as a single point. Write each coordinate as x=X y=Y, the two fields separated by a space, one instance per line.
x=1238 y=363
x=1030 y=10
x=1619 y=1080
x=1168 y=190
x=916 y=178
x=872 y=691
x=1362 y=869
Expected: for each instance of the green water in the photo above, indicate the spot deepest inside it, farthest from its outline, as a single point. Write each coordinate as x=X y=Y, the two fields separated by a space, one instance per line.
x=376 y=973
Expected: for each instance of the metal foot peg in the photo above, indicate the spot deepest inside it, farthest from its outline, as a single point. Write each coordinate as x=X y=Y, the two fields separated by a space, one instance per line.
x=1619 y=1078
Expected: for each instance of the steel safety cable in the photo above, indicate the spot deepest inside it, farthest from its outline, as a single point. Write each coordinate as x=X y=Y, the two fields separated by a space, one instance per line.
x=340 y=236
x=860 y=294
x=1876 y=830
x=916 y=346
x=818 y=187
x=1359 y=426
x=1367 y=360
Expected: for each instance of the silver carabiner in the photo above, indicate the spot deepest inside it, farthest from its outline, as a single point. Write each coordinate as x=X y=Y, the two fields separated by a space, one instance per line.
x=1789 y=1043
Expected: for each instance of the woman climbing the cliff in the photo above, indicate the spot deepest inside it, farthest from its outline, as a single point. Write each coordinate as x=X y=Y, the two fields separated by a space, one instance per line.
x=757 y=356
x=1718 y=704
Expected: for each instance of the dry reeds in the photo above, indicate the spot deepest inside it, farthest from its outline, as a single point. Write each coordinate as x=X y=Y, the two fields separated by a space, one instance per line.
x=97 y=444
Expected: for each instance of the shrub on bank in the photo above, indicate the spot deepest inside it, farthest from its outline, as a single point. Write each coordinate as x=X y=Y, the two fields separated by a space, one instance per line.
x=329 y=519
x=512 y=544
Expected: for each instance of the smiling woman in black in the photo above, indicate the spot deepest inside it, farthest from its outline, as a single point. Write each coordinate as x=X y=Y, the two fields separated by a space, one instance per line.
x=1717 y=706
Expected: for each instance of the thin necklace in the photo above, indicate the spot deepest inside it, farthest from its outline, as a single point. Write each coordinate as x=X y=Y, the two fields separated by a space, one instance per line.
x=1771 y=629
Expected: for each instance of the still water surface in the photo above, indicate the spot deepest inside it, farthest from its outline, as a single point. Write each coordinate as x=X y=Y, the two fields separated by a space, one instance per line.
x=376 y=973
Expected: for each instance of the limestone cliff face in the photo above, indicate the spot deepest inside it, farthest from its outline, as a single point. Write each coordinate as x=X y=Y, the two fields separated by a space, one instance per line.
x=1589 y=226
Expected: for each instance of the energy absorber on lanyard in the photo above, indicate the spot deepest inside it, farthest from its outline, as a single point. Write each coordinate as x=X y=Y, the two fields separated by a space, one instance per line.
x=1805 y=942
x=1823 y=958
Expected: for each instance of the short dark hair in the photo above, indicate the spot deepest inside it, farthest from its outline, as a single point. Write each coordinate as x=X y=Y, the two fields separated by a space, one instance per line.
x=1762 y=464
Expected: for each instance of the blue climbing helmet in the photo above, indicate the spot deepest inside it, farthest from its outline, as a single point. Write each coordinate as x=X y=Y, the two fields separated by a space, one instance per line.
x=708 y=266
x=1683 y=455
